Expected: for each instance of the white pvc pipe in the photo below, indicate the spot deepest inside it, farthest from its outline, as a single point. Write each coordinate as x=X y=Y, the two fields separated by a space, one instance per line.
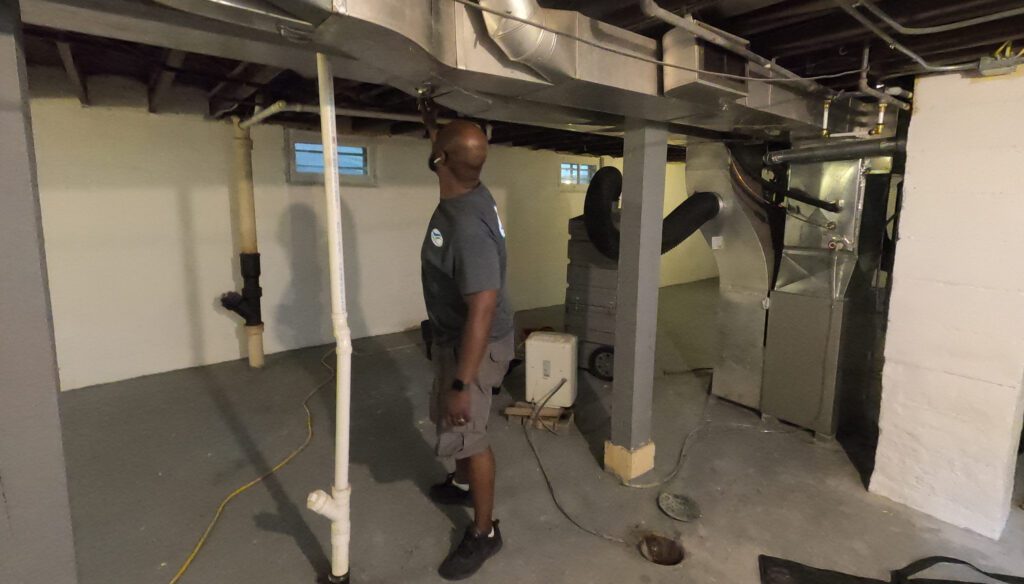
x=337 y=505
x=274 y=109
x=282 y=106
x=245 y=200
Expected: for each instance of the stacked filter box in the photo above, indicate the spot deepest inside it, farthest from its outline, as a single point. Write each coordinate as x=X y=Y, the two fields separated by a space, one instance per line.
x=591 y=293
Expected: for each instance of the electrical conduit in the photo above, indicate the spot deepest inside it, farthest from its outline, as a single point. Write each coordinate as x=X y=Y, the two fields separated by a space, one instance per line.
x=337 y=505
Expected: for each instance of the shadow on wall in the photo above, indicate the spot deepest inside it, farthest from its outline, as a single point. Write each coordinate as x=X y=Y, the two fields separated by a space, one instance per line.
x=286 y=518
x=235 y=267
x=303 y=316
x=193 y=310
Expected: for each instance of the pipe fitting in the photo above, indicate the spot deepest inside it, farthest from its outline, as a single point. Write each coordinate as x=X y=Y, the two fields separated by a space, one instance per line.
x=247 y=304
x=536 y=48
x=335 y=508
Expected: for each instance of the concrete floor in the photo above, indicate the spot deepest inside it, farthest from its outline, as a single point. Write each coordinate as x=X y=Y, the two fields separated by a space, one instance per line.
x=150 y=458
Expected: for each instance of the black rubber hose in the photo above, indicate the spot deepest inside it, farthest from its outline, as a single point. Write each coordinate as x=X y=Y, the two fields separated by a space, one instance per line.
x=602 y=194
x=798 y=195
x=687 y=218
x=604 y=191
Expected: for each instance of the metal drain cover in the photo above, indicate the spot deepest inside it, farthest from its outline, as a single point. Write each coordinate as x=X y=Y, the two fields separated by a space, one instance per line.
x=678 y=507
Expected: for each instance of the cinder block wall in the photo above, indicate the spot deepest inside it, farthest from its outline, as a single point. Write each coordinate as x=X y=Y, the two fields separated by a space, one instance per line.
x=952 y=395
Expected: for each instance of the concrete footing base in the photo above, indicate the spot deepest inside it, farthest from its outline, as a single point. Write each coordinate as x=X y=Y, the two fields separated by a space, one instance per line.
x=628 y=464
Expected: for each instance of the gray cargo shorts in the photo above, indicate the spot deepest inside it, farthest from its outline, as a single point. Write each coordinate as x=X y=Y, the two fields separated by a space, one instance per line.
x=464 y=441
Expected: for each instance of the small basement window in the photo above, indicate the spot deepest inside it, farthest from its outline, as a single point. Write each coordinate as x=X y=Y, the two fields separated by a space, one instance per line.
x=575 y=175
x=306 y=161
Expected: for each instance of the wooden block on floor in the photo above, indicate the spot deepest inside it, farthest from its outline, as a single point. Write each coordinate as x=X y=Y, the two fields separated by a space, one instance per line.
x=557 y=420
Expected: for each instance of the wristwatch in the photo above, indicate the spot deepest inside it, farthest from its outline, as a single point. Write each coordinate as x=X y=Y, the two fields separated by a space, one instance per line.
x=458 y=385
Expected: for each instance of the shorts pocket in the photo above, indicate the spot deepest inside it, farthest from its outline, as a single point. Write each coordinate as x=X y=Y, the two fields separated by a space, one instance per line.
x=502 y=351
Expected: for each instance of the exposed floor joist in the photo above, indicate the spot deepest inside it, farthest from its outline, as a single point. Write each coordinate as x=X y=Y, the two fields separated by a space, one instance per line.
x=228 y=94
x=235 y=73
x=75 y=75
x=164 y=78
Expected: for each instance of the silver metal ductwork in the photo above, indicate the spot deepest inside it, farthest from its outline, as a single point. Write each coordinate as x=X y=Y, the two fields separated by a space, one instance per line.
x=741 y=241
x=296 y=19
x=574 y=73
x=534 y=47
x=824 y=329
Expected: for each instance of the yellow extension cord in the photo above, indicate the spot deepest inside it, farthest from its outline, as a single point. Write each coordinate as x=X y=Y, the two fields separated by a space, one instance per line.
x=223 y=504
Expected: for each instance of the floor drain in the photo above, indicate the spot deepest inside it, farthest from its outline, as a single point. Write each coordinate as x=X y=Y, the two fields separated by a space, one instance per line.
x=678 y=507
x=662 y=550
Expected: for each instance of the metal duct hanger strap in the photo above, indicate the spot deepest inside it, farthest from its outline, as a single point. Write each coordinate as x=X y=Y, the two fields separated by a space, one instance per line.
x=604 y=191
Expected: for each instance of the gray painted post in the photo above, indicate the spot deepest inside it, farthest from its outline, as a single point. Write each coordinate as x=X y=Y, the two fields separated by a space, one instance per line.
x=35 y=518
x=636 y=318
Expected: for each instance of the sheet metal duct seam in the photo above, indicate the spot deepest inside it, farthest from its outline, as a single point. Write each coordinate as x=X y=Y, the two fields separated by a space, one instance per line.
x=538 y=49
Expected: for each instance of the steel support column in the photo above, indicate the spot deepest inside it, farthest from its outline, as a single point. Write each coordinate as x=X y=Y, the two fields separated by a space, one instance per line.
x=35 y=518
x=630 y=451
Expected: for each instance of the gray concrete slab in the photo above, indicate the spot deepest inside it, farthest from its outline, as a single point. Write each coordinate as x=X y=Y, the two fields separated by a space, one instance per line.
x=149 y=459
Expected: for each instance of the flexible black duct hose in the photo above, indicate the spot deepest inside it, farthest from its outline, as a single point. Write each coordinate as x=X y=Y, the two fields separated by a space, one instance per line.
x=604 y=190
x=602 y=194
x=687 y=218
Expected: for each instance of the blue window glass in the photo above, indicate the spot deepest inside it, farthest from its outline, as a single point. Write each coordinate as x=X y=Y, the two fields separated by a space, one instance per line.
x=352 y=160
x=572 y=173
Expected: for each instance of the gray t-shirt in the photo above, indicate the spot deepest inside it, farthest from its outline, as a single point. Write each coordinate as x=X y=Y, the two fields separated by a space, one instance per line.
x=464 y=253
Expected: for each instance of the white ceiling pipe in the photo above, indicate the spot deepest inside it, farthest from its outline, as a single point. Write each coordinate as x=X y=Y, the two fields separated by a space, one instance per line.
x=274 y=109
x=337 y=505
x=283 y=106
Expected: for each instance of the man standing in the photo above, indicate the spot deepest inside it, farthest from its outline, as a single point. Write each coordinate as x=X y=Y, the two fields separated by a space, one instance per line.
x=463 y=270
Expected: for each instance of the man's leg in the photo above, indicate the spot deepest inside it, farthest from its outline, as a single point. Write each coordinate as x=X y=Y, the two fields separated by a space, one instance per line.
x=462 y=471
x=481 y=484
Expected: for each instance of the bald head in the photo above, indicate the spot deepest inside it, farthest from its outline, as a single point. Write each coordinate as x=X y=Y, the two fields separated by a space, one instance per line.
x=462 y=147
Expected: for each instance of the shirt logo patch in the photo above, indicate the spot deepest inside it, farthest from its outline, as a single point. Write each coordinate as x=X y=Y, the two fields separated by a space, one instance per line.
x=436 y=238
x=501 y=227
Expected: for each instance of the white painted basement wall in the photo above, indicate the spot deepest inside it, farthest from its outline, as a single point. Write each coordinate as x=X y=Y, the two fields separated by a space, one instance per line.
x=952 y=400
x=138 y=233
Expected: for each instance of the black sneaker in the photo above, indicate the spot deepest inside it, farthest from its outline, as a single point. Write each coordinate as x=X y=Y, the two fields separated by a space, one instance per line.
x=447 y=493
x=473 y=551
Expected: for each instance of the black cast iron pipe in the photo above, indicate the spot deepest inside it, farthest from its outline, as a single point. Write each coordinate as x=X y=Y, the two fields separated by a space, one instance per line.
x=247 y=304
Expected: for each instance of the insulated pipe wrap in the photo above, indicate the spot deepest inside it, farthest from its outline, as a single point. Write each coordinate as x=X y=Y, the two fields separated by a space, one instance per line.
x=604 y=191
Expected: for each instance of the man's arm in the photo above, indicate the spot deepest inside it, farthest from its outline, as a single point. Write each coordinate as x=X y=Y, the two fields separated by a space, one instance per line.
x=473 y=349
x=428 y=109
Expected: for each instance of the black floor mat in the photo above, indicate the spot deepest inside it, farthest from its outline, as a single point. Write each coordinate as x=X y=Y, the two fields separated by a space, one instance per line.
x=780 y=571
